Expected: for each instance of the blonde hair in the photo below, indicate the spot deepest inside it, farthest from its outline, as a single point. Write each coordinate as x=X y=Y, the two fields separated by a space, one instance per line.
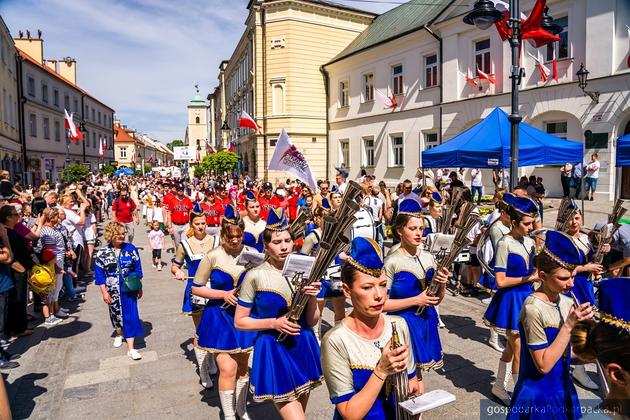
x=49 y=213
x=4 y=174
x=592 y=340
x=110 y=231
x=66 y=198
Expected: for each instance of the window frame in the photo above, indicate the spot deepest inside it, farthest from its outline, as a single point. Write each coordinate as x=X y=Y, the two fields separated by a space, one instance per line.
x=342 y=155
x=30 y=86
x=398 y=80
x=344 y=94
x=367 y=93
x=426 y=142
x=44 y=93
x=57 y=125
x=123 y=152
x=56 y=97
x=482 y=53
x=393 y=148
x=368 y=152
x=435 y=76
x=555 y=46
x=46 y=128
x=32 y=124
x=562 y=135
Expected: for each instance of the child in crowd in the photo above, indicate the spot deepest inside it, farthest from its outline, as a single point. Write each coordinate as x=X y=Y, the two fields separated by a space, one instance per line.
x=156 y=239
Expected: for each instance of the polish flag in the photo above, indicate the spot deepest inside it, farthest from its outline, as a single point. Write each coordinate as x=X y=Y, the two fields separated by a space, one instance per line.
x=101 y=149
x=388 y=102
x=73 y=133
x=530 y=26
x=542 y=69
x=489 y=77
x=246 y=121
x=469 y=79
x=554 y=66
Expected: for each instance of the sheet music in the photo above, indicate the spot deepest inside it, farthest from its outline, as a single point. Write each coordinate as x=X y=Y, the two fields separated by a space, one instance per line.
x=253 y=257
x=428 y=401
x=296 y=263
x=439 y=243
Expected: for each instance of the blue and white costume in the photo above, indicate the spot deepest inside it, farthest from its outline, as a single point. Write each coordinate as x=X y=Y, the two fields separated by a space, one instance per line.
x=582 y=287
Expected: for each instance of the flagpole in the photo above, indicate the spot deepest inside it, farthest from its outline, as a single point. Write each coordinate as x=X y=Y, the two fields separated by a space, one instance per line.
x=515 y=74
x=67 y=177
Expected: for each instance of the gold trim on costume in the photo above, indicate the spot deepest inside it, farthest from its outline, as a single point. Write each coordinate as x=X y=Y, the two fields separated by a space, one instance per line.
x=614 y=321
x=374 y=272
x=503 y=331
x=289 y=396
x=234 y=351
x=431 y=365
x=558 y=260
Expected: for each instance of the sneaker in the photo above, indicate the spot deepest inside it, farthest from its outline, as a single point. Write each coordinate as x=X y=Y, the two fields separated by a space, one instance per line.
x=580 y=375
x=486 y=301
x=8 y=364
x=133 y=353
x=154 y=266
x=118 y=341
x=61 y=315
x=52 y=321
x=64 y=310
x=159 y=267
x=79 y=289
x=440 y=323
x=501 y=394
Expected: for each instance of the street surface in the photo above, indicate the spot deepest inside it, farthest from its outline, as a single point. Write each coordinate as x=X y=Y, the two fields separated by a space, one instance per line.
x=72 y=371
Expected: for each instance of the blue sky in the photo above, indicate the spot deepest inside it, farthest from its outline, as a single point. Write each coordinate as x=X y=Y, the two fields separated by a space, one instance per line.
x=142 y=57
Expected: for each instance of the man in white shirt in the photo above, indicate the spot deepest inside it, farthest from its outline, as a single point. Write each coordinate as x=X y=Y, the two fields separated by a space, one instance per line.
x=476 y=182
x=340 y=182
x=592 y=175
x=377 y=207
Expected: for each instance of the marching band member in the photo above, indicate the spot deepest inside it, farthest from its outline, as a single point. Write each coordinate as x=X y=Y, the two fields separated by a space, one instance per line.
x=514 y=274
x=432 y=220
x=282 y=371
x=409 y=271
x=254 y=224
x=216 y=332
x=356 y=353
x=608 y=343
x=544 y=385
x=190 y=252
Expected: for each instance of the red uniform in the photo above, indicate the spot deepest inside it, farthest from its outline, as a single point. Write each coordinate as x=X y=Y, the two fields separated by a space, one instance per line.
x=293 y=207
x=124 y=209
x=265 y=206
x=213 y=212
x=166 y=200
x=280 y=202
x=180 y=210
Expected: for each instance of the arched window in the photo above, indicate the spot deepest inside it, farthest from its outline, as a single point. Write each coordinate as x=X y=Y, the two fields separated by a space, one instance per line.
x=196 y=120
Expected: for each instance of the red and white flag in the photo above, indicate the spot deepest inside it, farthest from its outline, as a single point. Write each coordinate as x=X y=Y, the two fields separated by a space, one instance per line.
x=246 y=121
x=530 y=25
x=73 y=132
x=469 y=80
x=489 y=77
x=286 y=157
x=388 y=102
x=554 y=66
x=101 y=146
x=542 y=69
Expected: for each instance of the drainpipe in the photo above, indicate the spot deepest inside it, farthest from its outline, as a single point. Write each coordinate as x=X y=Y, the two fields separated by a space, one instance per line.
x=21 y=124
x=440 y=64
x=326 y=75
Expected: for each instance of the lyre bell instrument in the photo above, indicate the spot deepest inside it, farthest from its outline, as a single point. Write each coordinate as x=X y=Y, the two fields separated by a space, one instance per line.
x=399 y=381
x=602 y=237
x=298 y=226
x=448 y=213
x=566 y=212
x=332 y=241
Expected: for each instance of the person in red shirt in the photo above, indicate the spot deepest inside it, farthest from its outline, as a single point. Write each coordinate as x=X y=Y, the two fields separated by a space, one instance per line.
x=222 y=195
x=124 y=211
x=179 y=208
x=213 y=209
x=265 y=200
x=279 y=200
x=171 y=191
x=294 y=196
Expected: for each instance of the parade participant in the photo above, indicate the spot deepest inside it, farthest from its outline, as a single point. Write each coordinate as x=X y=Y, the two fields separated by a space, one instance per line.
x=608 y=343
x=434 y=218
x=170 y=192
x=117 y=271
x=410 y=270
x=323 y=193
x=191 y=250
x=356 y=354
x=265 y=200
x=279 y=200
x=282 y=371
x=230 y=346
x=544 y=385
x=179 y=209
x=124 y=211
x=254 y=224
x=213 y=208
x=514 y=274
x=222 y=195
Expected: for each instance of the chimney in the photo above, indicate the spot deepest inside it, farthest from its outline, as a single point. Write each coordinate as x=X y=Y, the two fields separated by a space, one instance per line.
x=52 y=65
x=68 y=69
x=32 y=47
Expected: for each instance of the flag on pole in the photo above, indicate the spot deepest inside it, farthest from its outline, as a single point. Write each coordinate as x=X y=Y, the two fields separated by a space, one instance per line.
x=489 y=77
x=73 y=133
x=542 y=69
x=246 y=121
x=469 y=80
x=388 y=102
x=286 y=157
x=554 y=66
x=530 y=25
x=101 y=147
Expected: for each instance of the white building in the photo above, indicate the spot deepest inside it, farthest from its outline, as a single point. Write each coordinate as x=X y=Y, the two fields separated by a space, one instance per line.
x=420 y=54
x=11 y=153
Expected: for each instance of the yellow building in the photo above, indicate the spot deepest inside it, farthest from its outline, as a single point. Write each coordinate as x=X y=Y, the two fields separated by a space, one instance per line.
x=274 y=75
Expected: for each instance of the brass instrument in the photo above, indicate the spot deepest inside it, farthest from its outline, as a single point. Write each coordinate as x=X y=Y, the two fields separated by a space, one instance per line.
x=466 y=221
x=298 y=226
x=567 y=210
x=481 y=246
x=599 y=239
x=399 y=381
x=330 y=244
x=447 y=215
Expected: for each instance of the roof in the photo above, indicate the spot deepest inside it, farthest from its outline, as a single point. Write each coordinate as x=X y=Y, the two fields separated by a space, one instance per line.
x=58 y=76
x=197 y=100
x=121 y=135
x=325 y=3
x=395 y=23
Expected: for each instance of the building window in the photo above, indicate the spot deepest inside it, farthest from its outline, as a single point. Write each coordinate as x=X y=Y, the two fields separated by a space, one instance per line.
x=482 y=56
x=557 y=128
x=32 y=123
x=596 y=141
x=196 y=120
x=430 y=140
x=66 y=102
x=30 y=87
x=368 y=87
x=278 y=99
x=76 y=106
x=99 y=117
x=397 y=79
x=94 y=140
x=344 y=93
x=46 y=128
x=344 y=149
x=45 y=93
x=57 y=131
x=368 y=151
x=93 y=115
x=430 y=71
x=561 y=47
x=397 y=151
x=123 y=153
x=56 y=97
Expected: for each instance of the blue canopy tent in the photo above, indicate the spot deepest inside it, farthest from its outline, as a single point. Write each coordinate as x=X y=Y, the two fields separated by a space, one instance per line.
x=623 y=151
x=124 y=171
x=487 y=145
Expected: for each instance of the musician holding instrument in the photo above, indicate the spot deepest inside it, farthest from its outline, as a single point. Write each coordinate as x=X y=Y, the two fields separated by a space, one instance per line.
x=410 y=270
x=357 y=357
x=544 y=385
x=433 y=220
x=514 y=274
x=254 y=224
x=216 y=332
x=283 y=371
x=190 y=251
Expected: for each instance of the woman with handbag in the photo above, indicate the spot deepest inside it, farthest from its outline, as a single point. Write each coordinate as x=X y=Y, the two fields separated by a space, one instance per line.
x=118 y=271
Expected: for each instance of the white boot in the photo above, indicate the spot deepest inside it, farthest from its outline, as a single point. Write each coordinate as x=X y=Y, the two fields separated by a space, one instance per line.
x=499 y=386
x=580 y=375
x=202 y=358
x=212 y=365
x=241 y=398
x=494 y=341
x=440 y=323
x=317 y=329
x=227 y=404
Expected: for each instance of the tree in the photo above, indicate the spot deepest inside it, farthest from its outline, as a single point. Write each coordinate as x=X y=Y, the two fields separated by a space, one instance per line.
x=174 y=143
x=220 y=162
x=107 y=170
x=75 y=172
x=199 y=171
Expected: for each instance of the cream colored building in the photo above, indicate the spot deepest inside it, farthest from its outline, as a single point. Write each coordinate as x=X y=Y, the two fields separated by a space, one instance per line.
x=197 y=129
x=426 y=59
x=274 y=75
x=11 y=151
x=132 y=149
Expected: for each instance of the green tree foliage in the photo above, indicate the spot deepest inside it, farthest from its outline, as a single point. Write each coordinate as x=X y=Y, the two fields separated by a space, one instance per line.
x=107 y=170
x=174 y=143
x=199 y=171
x=220 y=163
x=75 y=173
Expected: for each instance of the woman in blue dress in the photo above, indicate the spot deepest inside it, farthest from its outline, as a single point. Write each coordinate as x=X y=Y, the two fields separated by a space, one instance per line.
x=190 y=251
x=409 y=271
x=356 y=354
x=514 y=274
x=254 y=224
x=544 y=389
x=433 y=220
x=284 y=371
x=112 y=264
x=216 y=333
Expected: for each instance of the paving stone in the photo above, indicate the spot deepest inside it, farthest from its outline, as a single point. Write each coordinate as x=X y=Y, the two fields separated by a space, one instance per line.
x=96 y=376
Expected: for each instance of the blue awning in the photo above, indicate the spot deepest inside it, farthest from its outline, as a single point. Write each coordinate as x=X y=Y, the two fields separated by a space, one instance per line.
x=487 y=145
x=623 y=151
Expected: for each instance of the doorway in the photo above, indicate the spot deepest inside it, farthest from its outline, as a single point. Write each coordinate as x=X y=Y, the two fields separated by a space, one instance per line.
x=625 y=172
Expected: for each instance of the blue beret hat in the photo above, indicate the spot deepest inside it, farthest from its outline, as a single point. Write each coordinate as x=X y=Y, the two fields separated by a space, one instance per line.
x=366 y=256
x=435 y=196
x=277 y=221
x=561 y=249
x=231 y=214
x=614 y=295
x=250 y=196
x=525 y=206
x=410 y=207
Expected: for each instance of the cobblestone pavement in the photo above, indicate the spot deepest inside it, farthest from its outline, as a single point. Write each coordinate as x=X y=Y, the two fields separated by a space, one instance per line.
x=72 y=371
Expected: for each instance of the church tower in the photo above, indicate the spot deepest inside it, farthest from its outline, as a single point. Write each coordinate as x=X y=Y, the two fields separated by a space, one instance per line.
x=197 y=129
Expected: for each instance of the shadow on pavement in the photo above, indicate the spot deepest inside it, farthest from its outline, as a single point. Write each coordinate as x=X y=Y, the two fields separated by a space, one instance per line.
x=468 y=377
x=27 y=390
x=68 y=328
x=140 y=342
x=466 y=328
x=187 y=348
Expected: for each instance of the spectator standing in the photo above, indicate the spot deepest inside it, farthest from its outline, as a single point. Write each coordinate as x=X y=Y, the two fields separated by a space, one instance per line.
x=179 y=208
x=476 y=184
x=378 y=207
x=340 y=183
x=6 y=284
x=565 y=179
x=156 y=239
x=124 y=211
x=576 y=178
x=592 y=175
x=323 y=193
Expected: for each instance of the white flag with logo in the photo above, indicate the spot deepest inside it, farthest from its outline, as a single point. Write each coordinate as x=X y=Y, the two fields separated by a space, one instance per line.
x=288 y=158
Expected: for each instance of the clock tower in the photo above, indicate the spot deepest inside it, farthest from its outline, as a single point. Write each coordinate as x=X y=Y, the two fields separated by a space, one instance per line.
x=197 y=128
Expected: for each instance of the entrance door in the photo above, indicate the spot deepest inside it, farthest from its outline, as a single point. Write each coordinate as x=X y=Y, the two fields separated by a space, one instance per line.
x=625 y=173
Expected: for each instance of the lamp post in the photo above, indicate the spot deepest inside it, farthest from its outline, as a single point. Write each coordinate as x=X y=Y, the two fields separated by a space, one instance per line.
x=582 y=75
x=483 y=16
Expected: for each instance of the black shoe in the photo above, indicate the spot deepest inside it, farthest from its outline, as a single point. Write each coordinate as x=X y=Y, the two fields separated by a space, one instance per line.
x=8 y=364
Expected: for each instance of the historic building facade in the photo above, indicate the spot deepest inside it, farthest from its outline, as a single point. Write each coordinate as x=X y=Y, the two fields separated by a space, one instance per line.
x=11 y=151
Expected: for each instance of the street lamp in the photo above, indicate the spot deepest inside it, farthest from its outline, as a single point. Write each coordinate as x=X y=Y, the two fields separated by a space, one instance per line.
x=582 y=75
x=484 y=15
